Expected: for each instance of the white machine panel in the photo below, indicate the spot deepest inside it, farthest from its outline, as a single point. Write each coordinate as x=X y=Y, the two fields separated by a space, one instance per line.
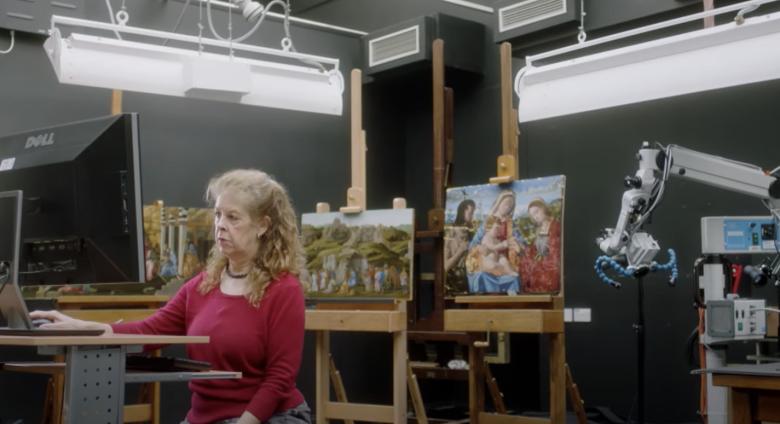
x=736 y=319
x=738 y=235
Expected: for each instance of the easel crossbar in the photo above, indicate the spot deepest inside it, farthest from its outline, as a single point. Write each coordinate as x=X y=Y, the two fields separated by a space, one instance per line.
x=488 y=418
x=371 y=321
x=507 y=320
x=359 y=411
x=534 y=298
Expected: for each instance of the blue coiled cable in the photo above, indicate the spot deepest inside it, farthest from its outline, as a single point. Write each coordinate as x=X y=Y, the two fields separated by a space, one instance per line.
x=603 y=262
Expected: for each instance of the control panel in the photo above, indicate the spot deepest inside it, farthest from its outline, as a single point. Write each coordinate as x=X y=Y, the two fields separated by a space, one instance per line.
x=739 y=235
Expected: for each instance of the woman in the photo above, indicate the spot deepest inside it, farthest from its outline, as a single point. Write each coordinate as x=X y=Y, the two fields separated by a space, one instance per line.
x=541 y=264
x=249 y=301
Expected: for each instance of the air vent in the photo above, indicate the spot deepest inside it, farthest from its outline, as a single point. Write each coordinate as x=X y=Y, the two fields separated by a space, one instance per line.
x=407 y=46
x=405 y=42
x=527 y=12
x=35 y=16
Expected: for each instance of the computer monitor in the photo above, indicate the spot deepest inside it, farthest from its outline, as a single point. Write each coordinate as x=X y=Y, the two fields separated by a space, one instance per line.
x=14 y=316
x=12 y=309
x=81 y=203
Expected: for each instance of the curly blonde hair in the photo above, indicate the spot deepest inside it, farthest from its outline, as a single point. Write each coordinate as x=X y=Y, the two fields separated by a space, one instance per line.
x=280 y=248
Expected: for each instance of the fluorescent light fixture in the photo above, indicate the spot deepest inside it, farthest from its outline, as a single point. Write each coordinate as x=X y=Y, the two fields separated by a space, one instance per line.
x=93 y=61
x=741 y=52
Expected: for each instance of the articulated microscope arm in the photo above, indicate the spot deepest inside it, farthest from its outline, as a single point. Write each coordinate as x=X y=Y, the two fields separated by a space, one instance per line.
x=645 y=190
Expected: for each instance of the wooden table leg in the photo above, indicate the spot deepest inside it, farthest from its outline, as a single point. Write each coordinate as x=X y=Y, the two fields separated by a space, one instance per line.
x=741 y=412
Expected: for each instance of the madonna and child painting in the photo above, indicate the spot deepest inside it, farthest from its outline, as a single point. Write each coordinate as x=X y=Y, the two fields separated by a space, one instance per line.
x=505 y=238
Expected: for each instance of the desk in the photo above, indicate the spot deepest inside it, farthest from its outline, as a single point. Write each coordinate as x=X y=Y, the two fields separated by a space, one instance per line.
x=94 y=370
x=754 y=391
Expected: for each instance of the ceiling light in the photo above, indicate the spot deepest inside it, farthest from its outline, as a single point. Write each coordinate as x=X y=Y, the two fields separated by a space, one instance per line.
x=743 y=51
x=94 y=61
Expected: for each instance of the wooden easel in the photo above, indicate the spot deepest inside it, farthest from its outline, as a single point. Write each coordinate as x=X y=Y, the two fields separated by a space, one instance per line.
x=376 y=317
x=431 y=240
x=536 y=314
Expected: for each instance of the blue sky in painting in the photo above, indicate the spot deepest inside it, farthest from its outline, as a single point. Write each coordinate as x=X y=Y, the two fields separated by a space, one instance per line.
x=548 y=188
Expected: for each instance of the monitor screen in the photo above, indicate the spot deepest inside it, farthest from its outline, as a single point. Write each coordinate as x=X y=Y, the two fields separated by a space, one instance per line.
x=12 y=310
x=81 y=201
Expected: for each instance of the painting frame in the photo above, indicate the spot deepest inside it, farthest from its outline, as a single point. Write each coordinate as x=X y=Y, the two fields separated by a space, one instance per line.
x=505 y=239
x=358 y=257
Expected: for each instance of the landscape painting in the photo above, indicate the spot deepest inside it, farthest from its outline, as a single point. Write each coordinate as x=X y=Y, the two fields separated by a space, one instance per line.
x=365 y=255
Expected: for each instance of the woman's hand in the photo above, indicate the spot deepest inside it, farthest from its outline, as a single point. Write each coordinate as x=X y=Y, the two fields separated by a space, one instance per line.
x=248 y=418
x=64 y=322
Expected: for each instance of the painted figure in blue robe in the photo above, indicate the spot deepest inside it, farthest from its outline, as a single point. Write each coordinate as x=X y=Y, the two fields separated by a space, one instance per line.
x=170 y=267
x=492 y=264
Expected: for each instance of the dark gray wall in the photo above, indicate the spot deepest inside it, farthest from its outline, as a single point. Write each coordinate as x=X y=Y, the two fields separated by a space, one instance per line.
x=595 y=151
x=184 y=142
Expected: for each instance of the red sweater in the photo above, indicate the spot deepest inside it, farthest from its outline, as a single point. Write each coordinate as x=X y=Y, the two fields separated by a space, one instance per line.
x=264 y=343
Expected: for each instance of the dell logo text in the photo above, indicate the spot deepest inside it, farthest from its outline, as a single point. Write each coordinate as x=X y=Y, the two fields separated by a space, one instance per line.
x=39 y=140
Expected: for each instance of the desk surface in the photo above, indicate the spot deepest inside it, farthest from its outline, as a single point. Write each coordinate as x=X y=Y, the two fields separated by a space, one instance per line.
x=762 y=370
x=113 y=339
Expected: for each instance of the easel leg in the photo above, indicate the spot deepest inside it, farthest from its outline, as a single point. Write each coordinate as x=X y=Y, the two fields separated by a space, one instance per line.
x=399 y=377
x=476 y=384
x=495 y=392
x=416 y=395
x=338 y=385
x=577 y=403
x=322 y=389
x=557 y=378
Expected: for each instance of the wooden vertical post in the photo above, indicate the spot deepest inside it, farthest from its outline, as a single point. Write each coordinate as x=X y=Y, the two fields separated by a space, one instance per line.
x=322 y=391
x=449 y=135
x=116 y=102
x=399 y=377
x=436 y=215
x=476 y=383
x=557 y=378
x=508 y=134
x=356 y=194
x=507 y=164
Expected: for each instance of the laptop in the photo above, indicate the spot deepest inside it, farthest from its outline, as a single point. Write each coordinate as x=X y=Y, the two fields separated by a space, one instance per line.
x=12 y=306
